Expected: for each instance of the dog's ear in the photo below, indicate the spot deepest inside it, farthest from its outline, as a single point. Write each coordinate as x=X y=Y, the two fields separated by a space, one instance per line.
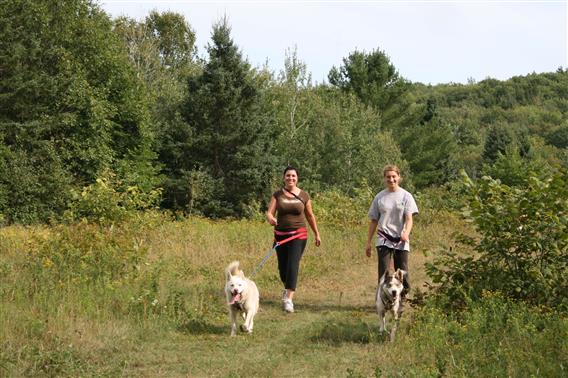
x=242 y=273
x=232 y=269
x=400 y=274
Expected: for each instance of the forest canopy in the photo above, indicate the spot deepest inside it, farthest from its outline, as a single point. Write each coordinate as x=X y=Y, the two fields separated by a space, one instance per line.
x=84 y=97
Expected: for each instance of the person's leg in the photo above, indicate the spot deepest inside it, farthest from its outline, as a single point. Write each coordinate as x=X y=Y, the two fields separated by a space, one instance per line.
x=295 y=250
x=401 y=262
x=385 y=255
x=282 y=255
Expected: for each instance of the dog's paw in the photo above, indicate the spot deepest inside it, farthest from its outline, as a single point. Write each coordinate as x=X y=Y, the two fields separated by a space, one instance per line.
x=383 y=336
x=392 y=336
x=245 y=329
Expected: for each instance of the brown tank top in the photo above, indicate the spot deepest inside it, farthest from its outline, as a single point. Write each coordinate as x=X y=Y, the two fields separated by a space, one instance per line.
x=290 y=210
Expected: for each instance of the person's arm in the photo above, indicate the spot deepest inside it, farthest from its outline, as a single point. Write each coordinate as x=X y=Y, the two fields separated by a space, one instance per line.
x=408 y=222
x=370 y=233
x=271 y=212
x=311 y=218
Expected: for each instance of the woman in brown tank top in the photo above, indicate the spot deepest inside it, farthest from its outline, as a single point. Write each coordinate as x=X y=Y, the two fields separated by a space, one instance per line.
x=288 y=211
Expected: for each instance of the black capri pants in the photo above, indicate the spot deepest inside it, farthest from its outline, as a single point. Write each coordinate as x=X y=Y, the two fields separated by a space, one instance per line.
x=289 y=255
x=400 y=259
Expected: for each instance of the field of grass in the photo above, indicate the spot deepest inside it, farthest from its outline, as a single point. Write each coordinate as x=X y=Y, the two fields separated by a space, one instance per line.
x=146 y=299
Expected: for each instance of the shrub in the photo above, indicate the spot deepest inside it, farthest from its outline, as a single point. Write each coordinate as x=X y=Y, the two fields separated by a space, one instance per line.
x=522 y=248
x=108 y=201
x=335 y=207
x=34 y=185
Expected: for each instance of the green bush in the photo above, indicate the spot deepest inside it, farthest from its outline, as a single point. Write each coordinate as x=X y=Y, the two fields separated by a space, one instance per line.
x=335 y=207
x=522 y=248
x=34 y=184
x=108 y=201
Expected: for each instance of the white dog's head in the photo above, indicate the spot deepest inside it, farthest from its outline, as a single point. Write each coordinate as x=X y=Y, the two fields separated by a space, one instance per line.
x=392 y=282
x=235 y=287
x=235 y=282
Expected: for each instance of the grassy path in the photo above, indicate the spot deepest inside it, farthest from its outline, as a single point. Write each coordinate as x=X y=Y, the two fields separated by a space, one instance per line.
x=319 y=339
x=169 y=319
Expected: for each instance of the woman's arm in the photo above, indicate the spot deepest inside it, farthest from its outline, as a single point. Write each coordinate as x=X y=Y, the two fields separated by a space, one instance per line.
x=408 y=223
x=370 y=233
x=311 y=218
x=271 y=212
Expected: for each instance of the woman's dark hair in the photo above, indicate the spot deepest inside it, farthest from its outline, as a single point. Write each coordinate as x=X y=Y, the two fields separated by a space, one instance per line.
x=290 y=168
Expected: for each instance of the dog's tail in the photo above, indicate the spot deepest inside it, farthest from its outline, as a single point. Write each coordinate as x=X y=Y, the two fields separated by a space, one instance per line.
x=233 y=270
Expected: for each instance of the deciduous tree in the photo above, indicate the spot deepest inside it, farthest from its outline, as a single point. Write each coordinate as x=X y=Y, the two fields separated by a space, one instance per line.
x=70 y=103
x=375 y=80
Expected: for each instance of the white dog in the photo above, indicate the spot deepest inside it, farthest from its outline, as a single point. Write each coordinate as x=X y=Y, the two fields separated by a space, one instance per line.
x=242 y=296
x=388 y=299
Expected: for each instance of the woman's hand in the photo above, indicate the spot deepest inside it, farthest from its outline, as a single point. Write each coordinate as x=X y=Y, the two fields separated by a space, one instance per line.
x=271 y=220
x=368 y=249
x=271 y=212
x=408 y=222
x=370 y=233
x=318 y=240
x=311 y=218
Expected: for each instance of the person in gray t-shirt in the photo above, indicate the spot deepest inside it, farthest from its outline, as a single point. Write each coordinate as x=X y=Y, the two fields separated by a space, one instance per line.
x=392 y=210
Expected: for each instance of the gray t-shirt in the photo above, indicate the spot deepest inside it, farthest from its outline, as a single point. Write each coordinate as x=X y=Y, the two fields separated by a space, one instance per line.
x=390 y=208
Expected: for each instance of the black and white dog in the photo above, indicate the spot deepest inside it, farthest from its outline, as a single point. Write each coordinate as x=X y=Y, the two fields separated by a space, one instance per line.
x=388 y=299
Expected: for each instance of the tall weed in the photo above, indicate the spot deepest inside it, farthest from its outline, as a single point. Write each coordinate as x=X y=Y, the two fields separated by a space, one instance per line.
x=83 y=253
x=494 y=337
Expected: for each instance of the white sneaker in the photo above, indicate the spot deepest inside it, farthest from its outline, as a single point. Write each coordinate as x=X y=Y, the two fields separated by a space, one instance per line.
x=288 y=305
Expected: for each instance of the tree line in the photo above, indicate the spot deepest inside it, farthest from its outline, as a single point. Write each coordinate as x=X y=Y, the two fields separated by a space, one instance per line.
x=84 y=97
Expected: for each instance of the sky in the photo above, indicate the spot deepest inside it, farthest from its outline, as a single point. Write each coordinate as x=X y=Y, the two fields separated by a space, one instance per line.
x=428 y=41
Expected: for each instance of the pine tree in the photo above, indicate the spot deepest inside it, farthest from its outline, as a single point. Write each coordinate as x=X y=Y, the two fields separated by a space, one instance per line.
x=230 y=143
x=499 y=138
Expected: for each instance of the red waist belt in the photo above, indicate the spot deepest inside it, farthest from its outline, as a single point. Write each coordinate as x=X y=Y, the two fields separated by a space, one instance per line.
x=286 y=236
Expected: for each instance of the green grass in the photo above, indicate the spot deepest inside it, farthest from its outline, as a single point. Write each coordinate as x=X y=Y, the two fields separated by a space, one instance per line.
x=146 y=299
